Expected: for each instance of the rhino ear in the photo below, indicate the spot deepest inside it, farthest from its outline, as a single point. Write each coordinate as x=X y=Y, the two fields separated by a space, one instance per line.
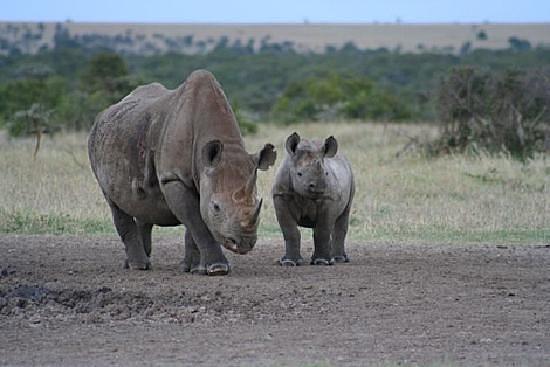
x=212 y=152
x=331 y=147
x=292 y=142
x=265 y=158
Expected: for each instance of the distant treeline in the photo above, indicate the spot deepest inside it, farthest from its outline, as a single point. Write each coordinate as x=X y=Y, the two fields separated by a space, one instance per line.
x=73 y=82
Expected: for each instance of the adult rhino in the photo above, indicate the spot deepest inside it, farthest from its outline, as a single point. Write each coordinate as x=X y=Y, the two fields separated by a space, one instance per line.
x=170 y=157
x=314 y=188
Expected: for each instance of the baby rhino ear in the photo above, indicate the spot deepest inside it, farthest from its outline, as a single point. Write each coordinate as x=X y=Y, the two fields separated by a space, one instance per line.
x=266 y=157
x=330 y=148
x=292 y=143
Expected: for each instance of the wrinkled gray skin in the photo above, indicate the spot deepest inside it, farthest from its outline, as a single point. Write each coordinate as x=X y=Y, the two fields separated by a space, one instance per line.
x=171 y=157
x=314 y=188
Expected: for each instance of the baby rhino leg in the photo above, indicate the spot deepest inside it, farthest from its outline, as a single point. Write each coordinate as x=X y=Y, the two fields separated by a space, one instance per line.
x=339 y=236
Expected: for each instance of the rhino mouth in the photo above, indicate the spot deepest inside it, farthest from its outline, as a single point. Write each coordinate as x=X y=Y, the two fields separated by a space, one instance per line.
x=232 y=246
x=317 y=195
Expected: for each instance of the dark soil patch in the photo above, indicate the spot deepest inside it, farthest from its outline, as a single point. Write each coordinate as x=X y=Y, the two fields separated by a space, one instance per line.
x=67 y=301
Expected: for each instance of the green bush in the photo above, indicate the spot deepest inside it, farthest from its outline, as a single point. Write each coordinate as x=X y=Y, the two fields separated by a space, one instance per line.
x=247 y=127
x=495 y=112
x=337 y=96
x=72 y=104
x=21 y=94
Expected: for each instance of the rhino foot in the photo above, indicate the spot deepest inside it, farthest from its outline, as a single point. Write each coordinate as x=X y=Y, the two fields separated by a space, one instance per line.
x=190 y=266
x=286 y=261
x=186 y=267
x=341 y=259
x=217 y=269
x=137 y=265
x=321 y=261
x=197 y=270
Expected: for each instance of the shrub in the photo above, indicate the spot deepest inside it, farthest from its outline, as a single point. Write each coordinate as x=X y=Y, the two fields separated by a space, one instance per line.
x=507 y=111
x=247 y=127
x=337 y=96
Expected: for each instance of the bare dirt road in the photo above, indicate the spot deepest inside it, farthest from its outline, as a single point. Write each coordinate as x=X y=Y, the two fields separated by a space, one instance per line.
x=67 y=301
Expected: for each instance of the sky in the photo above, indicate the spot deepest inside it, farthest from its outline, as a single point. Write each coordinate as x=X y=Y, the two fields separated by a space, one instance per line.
x=280 y=11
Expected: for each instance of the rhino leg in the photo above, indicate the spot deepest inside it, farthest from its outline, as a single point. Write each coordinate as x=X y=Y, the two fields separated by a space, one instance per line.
x=291 y=234
x=184 y=203
x=144 y=232
x=127 y=229
x=339 y=237
x=322 y=239
x=191 y=261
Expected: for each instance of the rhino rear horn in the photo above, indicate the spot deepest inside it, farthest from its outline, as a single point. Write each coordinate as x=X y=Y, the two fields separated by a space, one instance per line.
x=250 y=184
x=247 y=190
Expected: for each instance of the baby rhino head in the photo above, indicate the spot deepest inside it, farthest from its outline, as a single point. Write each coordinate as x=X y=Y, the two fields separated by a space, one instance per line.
x=308 y=174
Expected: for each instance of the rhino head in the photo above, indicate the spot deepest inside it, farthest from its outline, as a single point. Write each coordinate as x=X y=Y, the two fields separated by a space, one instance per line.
x=228 y=201
x=308 y=175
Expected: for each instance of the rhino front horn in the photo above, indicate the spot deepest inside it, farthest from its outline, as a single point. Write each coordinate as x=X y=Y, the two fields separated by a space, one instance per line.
x=257 y=213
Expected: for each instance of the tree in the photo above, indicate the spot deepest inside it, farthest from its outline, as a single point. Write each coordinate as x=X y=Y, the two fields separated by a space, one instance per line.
x=517 y=44
x=35 y=120
x=105 y=72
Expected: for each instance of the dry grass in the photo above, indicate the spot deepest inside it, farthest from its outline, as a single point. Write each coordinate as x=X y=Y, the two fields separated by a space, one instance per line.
x=314 y=36
x=411 y=198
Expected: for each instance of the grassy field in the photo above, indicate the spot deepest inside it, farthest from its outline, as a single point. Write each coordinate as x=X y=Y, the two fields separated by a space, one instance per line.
x=406 y=198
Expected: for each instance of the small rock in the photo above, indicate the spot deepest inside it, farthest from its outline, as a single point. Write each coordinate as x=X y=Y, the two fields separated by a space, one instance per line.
x=21 y=302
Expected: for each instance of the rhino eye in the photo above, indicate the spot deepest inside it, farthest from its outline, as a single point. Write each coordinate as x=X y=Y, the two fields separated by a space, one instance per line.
x=216 y=207
x=326 y=173
x=299 y=173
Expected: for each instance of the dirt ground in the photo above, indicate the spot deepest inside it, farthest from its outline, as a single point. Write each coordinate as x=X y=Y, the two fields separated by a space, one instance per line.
x=67 y=301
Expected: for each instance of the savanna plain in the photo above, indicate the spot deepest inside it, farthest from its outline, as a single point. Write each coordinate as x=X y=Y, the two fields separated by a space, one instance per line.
x=449 y=267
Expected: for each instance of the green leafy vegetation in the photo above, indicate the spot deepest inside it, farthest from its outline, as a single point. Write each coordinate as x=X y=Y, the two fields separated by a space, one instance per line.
x=77 y=79
x=495 y=112
x=335 y=96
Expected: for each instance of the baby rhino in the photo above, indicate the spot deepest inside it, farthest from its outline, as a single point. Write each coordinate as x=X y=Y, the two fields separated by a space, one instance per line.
x=314 y=188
